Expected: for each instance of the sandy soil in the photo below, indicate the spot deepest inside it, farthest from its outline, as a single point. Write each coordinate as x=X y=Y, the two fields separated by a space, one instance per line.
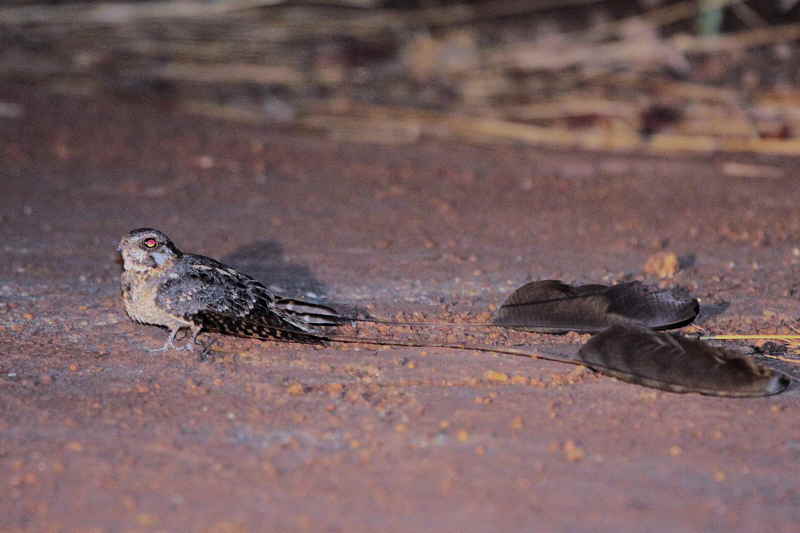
x=97 y=434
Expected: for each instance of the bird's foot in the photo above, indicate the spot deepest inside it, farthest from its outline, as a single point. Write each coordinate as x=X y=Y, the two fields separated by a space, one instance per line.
x=170 y=344
x=167 y=346
x=206 y=354
x=162 y=349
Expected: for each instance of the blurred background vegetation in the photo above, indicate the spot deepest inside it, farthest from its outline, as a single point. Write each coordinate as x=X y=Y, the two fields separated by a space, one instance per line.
x=701 y=76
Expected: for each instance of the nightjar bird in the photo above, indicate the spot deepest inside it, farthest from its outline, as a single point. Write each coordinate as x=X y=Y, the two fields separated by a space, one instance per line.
x=163 y=286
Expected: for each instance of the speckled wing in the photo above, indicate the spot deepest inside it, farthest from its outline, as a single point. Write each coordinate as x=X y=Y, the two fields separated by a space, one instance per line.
x=223 y=300
x=677 y=364
x=552 y=306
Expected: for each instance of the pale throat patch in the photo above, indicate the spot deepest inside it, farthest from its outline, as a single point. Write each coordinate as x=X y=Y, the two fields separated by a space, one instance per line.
x=160 y=257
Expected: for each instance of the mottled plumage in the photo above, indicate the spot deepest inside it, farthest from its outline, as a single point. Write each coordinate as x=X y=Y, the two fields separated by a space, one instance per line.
x=165 y=287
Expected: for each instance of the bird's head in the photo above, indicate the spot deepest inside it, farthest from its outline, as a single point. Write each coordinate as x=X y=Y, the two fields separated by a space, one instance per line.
x=146 y=248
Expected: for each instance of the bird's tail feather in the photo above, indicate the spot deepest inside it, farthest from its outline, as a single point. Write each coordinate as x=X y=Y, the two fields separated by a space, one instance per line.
x=610 y=352
x=310 y=313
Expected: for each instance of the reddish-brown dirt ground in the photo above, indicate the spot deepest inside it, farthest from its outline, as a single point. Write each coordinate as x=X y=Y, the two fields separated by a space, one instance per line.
x=96 y=434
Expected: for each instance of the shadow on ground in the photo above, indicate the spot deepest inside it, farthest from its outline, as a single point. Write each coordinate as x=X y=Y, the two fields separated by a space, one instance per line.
x=265 y=261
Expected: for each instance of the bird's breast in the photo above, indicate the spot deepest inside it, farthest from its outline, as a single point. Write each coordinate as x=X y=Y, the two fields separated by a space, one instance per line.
x=139 y=293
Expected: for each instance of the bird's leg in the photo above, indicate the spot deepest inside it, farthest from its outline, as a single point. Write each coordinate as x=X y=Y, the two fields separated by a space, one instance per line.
x=170 y=342
x=205 y=353
x=195 y=331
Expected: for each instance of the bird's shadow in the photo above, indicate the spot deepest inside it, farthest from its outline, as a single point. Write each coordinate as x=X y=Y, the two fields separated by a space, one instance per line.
x=265 y=261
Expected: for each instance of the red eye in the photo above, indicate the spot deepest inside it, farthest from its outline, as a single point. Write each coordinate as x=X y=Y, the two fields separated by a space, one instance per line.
x=151 y=243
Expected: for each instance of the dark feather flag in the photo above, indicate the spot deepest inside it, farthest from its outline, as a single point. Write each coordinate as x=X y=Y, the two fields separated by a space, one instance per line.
x=677 y=364
x=552 y=306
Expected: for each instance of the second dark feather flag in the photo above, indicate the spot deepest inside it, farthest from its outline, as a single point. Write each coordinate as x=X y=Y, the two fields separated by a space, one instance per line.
x=552 y=306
